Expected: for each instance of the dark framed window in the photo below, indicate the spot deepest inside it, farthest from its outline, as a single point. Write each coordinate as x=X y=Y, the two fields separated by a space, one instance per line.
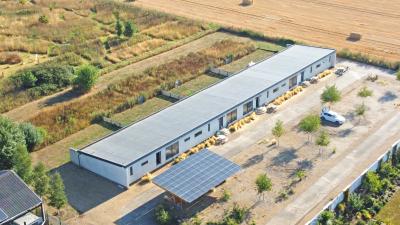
x=275 y=89
x=198 y=133
x=172 y=150
x=330 y=58
x=248 y=107
x=158 y=158
x=231 y=116
x=209 y=127
x=283 y=85
x=318 y=65
x=311 y=69
x=145 y=162
x=131 y=170
x=187 y=139
x=292 y=82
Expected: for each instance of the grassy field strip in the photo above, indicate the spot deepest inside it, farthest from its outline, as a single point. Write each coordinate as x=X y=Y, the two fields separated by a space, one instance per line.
x=242 y=63
x=390 y=213
x=195 y=85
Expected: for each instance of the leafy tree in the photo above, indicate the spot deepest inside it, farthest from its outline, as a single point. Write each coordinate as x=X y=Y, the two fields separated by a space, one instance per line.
x=310 y=124
x=365 y=92
x=118 y=28
x=10 y=138
x=331 y=95
x=130 y=29
x=86 y=77
x=22 y=163
x=162 y=216
x=360 y=110
x=263 y=183
x=372 y=182
x=40 y=180
x=326 y=217
x=33 y=136
x=57 y=196
x=322 y=140
x=300 y=174
x=278 y=130
x=28 y=79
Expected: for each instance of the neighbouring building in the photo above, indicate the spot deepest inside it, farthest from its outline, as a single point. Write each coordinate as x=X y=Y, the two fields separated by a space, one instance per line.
x=18 y=204
x=129 y=153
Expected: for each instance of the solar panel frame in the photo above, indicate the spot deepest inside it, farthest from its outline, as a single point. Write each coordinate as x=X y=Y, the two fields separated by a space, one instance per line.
x=195 y=176
x=3 y=215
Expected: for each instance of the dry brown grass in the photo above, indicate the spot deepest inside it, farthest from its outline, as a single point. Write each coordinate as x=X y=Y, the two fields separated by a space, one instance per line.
x=173 y=30
x=139 y=48
x=67 y=119
x=10 y=58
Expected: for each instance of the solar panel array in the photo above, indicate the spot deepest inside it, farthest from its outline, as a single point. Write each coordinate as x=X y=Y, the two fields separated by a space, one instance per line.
x=195 y=176
x=3 y=215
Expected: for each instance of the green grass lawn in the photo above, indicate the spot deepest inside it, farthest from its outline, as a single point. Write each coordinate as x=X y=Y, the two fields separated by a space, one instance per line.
x=242 y=63
x=195 y=85
x=390 y=213
x=141 y=111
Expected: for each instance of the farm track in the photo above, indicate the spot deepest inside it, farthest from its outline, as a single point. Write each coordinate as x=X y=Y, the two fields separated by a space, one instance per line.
x=313 y=21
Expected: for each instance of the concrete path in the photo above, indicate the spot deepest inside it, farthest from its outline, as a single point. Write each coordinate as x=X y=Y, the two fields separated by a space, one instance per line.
x=320 y=190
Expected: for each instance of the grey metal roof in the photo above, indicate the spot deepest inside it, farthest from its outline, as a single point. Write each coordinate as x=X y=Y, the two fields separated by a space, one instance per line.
x=139 y=139
x=196 y=175
x=15 y=196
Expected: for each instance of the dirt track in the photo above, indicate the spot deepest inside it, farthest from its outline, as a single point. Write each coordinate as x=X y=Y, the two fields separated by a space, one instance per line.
x=320 y=22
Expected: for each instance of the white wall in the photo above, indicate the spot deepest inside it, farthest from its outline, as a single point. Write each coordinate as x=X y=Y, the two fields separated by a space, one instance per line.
x=110 y=171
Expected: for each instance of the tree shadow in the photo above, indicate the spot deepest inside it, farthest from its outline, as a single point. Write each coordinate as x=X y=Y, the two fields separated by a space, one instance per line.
x=387 y=97
x=284 y=157
x=62 y=97
x=84 y=189
x=253 y=161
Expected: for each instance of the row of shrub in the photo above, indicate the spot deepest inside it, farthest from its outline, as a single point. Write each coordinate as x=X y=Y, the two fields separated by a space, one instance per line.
x=361 y=207
x=64 y=120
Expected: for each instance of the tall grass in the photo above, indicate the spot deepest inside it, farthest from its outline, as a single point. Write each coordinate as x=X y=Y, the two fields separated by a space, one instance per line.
x=67 y=119
x=364 y=58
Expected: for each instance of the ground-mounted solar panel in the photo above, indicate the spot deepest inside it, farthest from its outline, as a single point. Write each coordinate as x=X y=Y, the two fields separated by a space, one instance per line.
x=196 y=175
x=3 y=215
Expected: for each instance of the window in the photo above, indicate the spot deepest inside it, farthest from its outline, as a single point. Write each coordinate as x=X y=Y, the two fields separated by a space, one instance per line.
x=198 y=133
x=158 y=158
x=187 y=139
x=131 y=170
x=311 y=69
x=292 y=82
x=330 y=58
x=248 y=107
x=172 y=150
x=232 y=116
x=283 y=85
x=275 y=90
x=209 y=127
x=318 y=65
x=267 y=94
x=145 y=162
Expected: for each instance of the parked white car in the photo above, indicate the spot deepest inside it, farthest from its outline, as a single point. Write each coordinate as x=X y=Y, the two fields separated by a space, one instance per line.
x=332 y=116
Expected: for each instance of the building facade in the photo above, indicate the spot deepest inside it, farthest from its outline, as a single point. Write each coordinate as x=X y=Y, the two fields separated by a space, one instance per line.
x=126 y=155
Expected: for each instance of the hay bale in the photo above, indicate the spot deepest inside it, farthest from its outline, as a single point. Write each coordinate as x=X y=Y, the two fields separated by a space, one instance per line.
x=247 y=2
x=147 y=178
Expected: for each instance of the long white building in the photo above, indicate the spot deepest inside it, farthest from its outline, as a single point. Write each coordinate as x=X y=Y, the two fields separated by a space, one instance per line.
x=129 y=153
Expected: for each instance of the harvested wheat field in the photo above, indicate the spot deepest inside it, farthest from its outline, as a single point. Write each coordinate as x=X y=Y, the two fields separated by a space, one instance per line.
x=317 y=22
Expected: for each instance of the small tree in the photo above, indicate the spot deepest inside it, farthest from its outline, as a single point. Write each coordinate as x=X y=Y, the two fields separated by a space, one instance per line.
x=263 y=183
x=162 y=216
x=278 y=130
x=22 y=163
x=360 y=111
x=118 y=28
x=365 y=92
x=33 y=136
x=40 y=180
x=310 y=124
x=331 y=95
x=86 y=77
x=372 y=182
x=300 y=174
x=322 y=140
x=57 y=196
x=130 y=29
